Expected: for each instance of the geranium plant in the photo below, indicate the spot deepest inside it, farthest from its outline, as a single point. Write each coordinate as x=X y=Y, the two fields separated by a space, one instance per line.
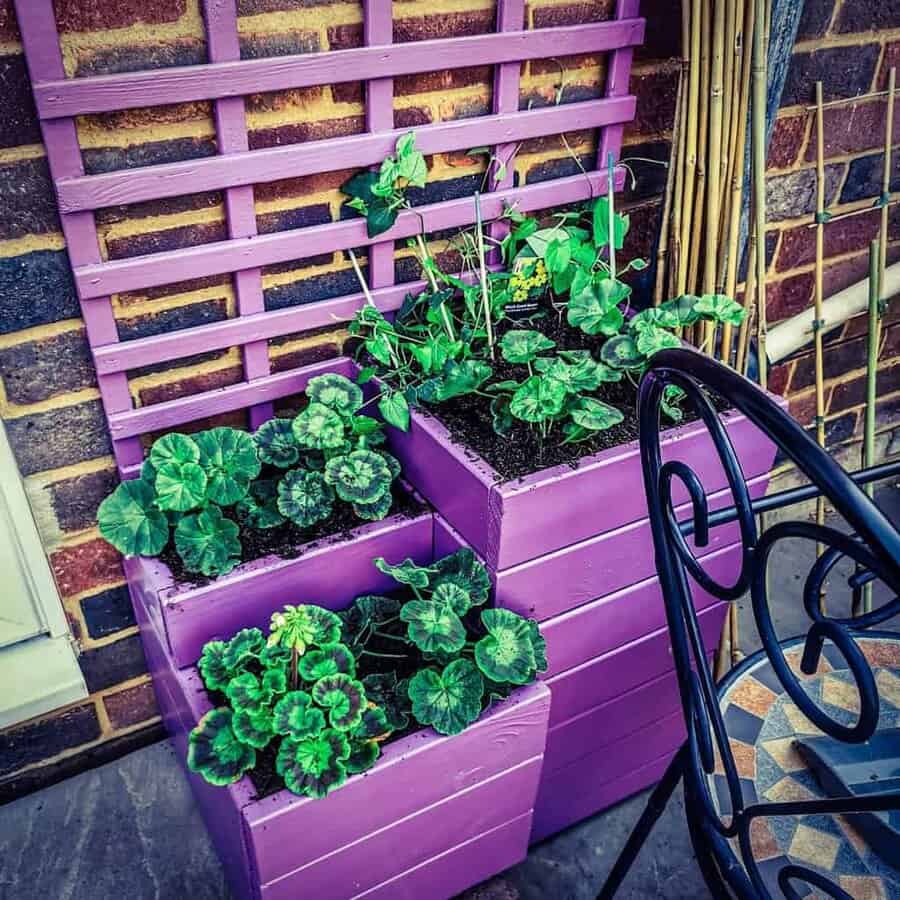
x=324 y=691
x=199 y=492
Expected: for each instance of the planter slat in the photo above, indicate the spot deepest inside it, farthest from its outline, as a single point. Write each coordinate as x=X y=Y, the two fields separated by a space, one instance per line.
x=600 y=779
x=372 y=859
x=617 y=619
x=246 y=597
x=586 y=686
x=565 y=579
x=469 y=863
x=407 y=782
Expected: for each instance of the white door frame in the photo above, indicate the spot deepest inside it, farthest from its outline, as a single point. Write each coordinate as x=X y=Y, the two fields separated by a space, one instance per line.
x=40 y=673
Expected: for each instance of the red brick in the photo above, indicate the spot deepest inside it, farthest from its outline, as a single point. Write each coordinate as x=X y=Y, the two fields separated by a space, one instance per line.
x=349 y=92
x=798 y=245
x=840 y=358
x=445 y=80
x=76 y=15
x=568 y=63
x=852 y=393
x=778 y=377
x=344 y=37
x=168 y=239
x=852 y=129
x=788 y=297
x=641 y=237
x=656 y=95
x=281 y=100
x=843 y=71
x=803 y=408
x=851 y=271
x=9 y=27
x=867 y=15
x=306 y=356
x=133 y=705
x=84 y=566
x=412 y=117
x=185 y=387
x=574 y=14
x=444 y=25
x=300 y=132
x=786 y=141
x=891 y=60
x=815 y=19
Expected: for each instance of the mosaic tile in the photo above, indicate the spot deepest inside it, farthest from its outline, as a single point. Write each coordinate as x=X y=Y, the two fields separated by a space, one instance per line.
x=814 y=847
x=863 y=888
x=741 y=725
x=784 y=752
x=762 y=840
x=752 y=696
x=799 y=722
x=881 y=654
x=888 y=687
x=793 y=658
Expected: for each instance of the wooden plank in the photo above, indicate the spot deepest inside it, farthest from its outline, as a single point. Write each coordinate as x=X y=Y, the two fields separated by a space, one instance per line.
x=56 y=97
x=173 y=413
x=461 y=867
x=413 y=773
x=330 y=154
x=413 y=840
x=218 y=258
x=37 y=23
x=220 y=19
x=583 y=687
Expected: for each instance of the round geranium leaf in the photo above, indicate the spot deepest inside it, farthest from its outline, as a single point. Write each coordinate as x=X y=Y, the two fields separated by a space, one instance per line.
x=433 y=627
x=595 y=415
x=275 y=657
x=373 y=725
x=180 y=486
x=391 y=696
x=344 y=697
x=453 y=595
x=148 y=472
x=130 y=520
x=523 y=345
x=213 y=669
x=463 y=568
x=329 y=659
x=300 y=627
x=376 y=511
x=506 y=653
x=215 y=752
x=259 y=509
x=448 y=700
x=365 y=610
x=406 y=572
x=336 y=392
x=392 y=463
x=246 y=690
x=228 y=457
x=275 y=443
x=253 y=726
x=361 y=476
x=621 y=352
x=174 y=448
x=314 y=766
x=363 y=755
x=208 y=542
x=304 y=497
x=296 y=716
x=245 y=645
x=319 y=427
x=537 y=398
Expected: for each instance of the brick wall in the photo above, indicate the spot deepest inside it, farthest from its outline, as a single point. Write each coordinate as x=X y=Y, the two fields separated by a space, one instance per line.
x=49 y=400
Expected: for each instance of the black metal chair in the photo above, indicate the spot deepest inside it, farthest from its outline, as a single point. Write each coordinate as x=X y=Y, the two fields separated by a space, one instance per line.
x=791 y=766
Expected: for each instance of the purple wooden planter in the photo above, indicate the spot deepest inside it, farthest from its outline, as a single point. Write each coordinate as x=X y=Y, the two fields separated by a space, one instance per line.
x=433 y=817
x=187 y=616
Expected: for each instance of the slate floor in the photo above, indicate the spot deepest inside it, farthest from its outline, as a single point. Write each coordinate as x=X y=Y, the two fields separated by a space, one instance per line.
x=129 y=829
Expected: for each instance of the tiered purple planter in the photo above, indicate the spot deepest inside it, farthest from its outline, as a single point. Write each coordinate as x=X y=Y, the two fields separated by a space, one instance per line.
x=433 y=817
x=572 y=548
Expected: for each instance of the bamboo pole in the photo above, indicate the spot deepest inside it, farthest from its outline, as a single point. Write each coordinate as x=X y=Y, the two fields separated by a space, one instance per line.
x=482 y=274
x=700 y=199
x=663 y=249
x=868 y=455
x=758 y=134
x=884 y=235
x=818 y=322
x=742 y=357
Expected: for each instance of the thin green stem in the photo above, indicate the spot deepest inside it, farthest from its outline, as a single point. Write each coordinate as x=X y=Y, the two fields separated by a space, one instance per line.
x=383 y=655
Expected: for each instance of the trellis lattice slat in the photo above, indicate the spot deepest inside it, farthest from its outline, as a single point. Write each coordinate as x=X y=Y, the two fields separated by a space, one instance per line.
x=225 y=80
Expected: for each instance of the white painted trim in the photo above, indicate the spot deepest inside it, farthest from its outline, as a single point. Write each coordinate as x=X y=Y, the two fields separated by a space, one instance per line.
x=41 y=673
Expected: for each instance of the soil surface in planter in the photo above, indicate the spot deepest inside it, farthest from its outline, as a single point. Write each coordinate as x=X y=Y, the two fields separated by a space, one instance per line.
x=379 y=658
x=290 y=541
x=522 y=451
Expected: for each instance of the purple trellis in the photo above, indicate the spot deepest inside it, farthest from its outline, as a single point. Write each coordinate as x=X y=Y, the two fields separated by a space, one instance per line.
x=225 y=80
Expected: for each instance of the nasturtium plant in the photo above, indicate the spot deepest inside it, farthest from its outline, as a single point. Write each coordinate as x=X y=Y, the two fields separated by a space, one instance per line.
x=216 y=752
x=448 y=700
x=130 y=519
x=208 y=542
x=305 y=497
x=276 y=444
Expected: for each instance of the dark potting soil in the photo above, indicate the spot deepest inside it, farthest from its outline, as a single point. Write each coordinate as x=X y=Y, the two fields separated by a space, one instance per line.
x=522 y=451
x=288 y=540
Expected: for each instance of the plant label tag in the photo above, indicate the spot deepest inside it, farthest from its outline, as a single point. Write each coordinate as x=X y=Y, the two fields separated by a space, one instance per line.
x=524 y=310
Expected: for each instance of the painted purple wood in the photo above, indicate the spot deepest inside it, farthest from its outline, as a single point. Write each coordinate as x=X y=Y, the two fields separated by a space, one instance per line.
x=414 y=839
x=326 y=572
x=555 y=508
x=599 y=780
x=450 y=873
x=220 y=257
x=57 y=97
x=565 y=579
x=350 y=152
x=617 y=79
x=619 y=618
x=583 y=687
x=37 y=24
x=220 y=19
